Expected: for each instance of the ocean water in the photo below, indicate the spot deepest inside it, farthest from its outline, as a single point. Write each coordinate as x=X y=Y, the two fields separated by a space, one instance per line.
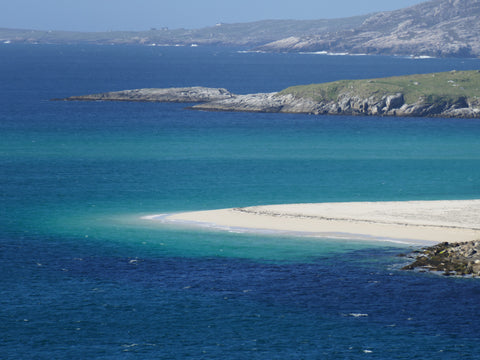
x=82 y=275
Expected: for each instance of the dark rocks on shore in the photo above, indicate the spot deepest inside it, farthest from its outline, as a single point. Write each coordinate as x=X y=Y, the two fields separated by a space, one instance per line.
x=459 y=259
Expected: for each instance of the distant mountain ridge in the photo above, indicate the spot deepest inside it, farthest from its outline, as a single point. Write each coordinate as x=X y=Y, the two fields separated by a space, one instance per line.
x=242 y=34
x=439 y=28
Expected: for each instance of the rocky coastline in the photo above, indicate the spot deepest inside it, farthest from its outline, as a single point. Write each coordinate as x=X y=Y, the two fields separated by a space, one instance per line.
x=346 y=104
x=459 y=259
x=193 y=94
x=454 y=94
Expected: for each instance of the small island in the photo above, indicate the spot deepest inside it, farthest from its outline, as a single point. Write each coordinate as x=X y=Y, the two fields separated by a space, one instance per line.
x=453 y=94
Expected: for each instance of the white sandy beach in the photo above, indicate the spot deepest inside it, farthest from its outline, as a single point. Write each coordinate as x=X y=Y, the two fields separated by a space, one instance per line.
x=405 y=221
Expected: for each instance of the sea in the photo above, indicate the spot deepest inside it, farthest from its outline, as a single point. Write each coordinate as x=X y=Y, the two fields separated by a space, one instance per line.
x=84 y=276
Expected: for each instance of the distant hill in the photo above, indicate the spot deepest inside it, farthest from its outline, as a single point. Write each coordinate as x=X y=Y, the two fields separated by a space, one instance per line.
x=440 y=28
x=243 y=34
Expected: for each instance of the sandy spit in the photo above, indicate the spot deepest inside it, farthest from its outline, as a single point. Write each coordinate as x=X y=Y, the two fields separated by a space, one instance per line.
x=416 y=222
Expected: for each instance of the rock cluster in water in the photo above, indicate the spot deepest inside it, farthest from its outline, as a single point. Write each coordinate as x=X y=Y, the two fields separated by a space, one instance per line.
x=449 y=258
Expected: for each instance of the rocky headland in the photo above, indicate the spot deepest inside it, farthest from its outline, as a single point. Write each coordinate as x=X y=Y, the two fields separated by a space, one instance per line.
x=459 y=259
x=450 y=94
x=454 y=94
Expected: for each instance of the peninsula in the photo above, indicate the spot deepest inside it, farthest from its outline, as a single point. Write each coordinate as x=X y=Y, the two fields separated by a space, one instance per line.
x=454 y=94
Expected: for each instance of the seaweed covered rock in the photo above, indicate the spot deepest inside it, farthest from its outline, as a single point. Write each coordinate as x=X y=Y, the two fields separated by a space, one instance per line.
x=449 y=259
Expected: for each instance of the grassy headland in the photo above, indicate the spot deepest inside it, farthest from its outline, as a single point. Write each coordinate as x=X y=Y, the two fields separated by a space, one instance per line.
x=454 y=94
x=449 y=87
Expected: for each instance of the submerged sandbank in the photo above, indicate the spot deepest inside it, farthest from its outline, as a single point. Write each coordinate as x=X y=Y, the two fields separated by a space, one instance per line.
x=416 y=222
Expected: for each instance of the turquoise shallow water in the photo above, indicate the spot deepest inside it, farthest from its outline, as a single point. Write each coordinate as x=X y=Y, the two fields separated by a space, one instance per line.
x=84 y=276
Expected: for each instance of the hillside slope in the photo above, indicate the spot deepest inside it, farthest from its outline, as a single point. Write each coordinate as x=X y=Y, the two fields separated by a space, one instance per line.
x=437 y=28
x=452 y=94
x=241 y=34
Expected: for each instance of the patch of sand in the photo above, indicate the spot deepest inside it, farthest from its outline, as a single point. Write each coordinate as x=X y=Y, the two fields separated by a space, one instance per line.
x=407 y=221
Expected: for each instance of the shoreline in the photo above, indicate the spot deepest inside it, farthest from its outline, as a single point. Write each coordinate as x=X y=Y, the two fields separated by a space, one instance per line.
x=408 y=222
x=390 y=96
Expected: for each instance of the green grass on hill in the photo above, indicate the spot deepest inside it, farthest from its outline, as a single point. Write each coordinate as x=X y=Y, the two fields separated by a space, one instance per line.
x=445 y=86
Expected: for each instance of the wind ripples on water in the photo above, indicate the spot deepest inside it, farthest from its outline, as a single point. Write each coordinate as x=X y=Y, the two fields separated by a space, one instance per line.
x=83 y=276
x=222 y=304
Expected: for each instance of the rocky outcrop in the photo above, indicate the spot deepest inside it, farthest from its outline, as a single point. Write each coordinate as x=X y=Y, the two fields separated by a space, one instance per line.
x=439 y=28
x=261 y=102
x=448 y=259
x=184 y=94
x=346 y=104
x=448 y=94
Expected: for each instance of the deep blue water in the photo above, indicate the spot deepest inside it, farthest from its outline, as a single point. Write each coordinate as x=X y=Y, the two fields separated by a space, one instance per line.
x=83 y=276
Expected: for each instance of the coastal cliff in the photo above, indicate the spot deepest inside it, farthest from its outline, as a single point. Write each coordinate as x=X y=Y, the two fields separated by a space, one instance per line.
x=448 y=94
